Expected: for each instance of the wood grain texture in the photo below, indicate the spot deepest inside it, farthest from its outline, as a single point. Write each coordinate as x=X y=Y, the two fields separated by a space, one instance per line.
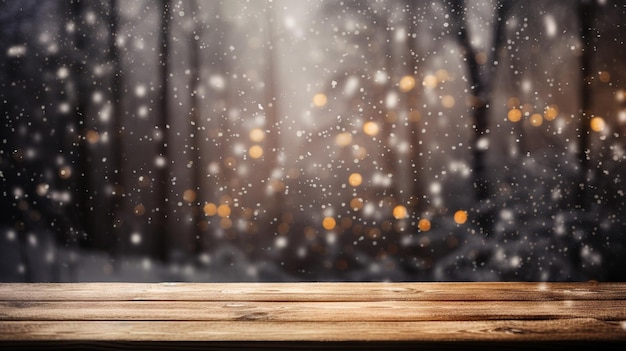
x=310 y=311
x=542 y=330
x=317 y=313
x=312 y=291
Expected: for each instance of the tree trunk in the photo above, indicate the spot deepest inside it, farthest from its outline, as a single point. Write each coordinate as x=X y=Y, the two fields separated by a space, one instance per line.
x=417 y=190
x=481 y=80
x=113 y=229
x=585 y=17
x=198 y=171
x=163 y=169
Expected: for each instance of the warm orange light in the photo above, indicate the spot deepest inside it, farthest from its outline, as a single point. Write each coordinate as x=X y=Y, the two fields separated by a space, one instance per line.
x=139 y=210
x=512 y=102
x=604 y=76
x=226 y=223
x=514 y=115
x=356 y=203
x=343 y=139
x=430 y=81
x=320 y=100
x=448 y=101
x=442 y=75
x=277 y=186
x=355 y=179
x=407 y=83
x=371 y=128
x=329 y=223
x=424 y=225
x=359 y=152
x=400 y=212
x=460 y=217
x=536 y=119
x=230 y=162
x=189 y=195
x=414 y=116
x=210 y=209
x=597 y=124
x=223 y=210
x=65 y=172
x=551 y=112
x=255 y=151
x=257 y=135
x=92 y=136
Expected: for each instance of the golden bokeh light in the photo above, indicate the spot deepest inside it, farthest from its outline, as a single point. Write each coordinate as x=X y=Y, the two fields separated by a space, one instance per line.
x=597 y=124
x=65 y=172
x=223 y=210
x=407 y=83
x=355 y=179
x=373 y=233
x=442 y=75
x=189 y=195
x=414 y=116
x=226 y=223
x=430 y=81
x=512 y=102
x=371 y=128
x=536 y=119
x=210 y=209
x=329 y=223
x=460 y=217
x=356 y=203
x=255 y=151
x=359 y=152
x=230 y=162
x=514 y=115
x=400 y=212
x=92 y=136
x=448 y=101
x=424 y=224
x=257 y=135
x=604 y=76
x=343 y=139
x=277 y=186
x=139 y=210
x=320 y=100
x=551 y=112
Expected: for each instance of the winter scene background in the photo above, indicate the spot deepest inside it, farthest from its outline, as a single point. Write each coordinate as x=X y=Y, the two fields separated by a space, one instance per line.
x=369 y=140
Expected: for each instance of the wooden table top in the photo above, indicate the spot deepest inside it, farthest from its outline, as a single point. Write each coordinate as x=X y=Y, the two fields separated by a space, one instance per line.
x=310 y=313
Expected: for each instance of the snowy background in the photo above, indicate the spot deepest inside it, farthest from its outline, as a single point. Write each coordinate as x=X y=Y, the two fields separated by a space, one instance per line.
x=312 y=140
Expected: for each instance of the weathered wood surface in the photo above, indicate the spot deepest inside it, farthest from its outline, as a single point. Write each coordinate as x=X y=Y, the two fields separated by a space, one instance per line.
x=313 y=312
x=312 y=291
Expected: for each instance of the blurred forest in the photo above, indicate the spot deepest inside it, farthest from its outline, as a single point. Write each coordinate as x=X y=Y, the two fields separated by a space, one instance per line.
x=312 y=140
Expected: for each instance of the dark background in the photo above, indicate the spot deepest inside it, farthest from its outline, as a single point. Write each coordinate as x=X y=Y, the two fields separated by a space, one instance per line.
x=214 y=140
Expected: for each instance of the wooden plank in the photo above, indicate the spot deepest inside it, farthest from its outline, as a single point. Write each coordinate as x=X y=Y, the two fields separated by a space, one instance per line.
x=312 y=311
x=313 y=345
x=312 y=291
x=544 y=330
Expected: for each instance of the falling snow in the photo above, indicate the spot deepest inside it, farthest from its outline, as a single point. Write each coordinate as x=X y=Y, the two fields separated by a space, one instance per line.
x=319 y=140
